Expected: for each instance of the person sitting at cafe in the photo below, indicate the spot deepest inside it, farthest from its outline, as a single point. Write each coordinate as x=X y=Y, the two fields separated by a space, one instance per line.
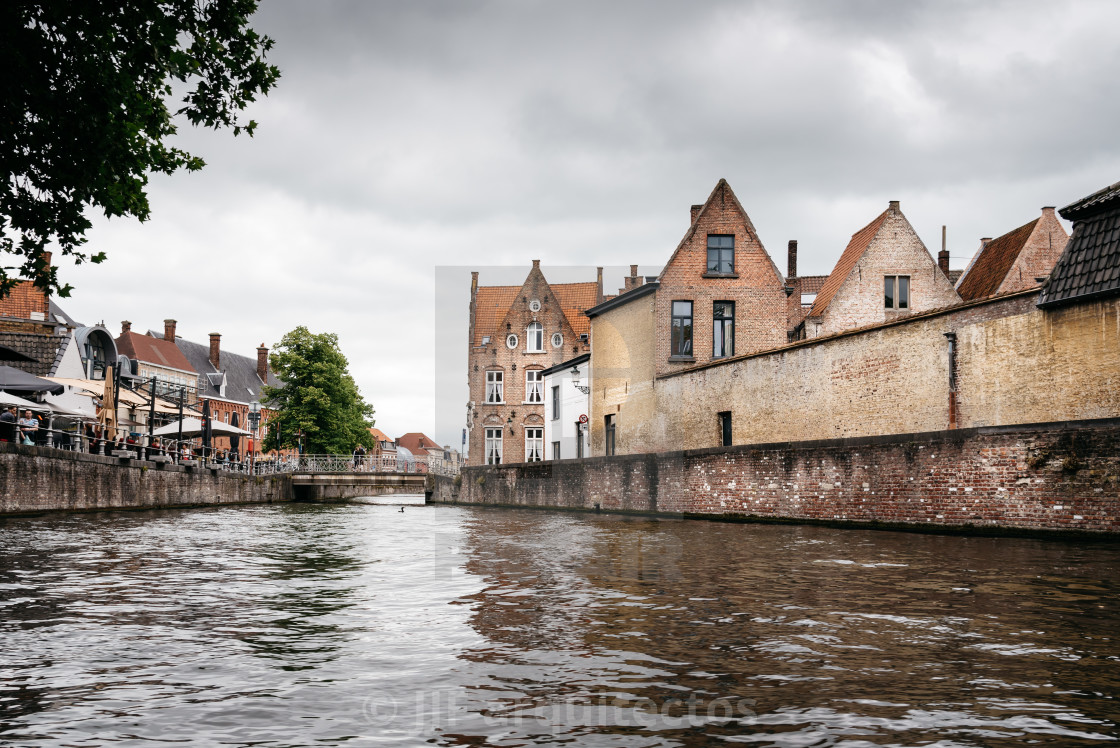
x=8 y=424
x=28 y=426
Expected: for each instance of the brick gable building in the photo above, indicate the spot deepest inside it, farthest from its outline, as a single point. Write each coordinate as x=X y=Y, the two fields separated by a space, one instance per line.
x=885 y=273
x=720 y=292
x=1016 y=261
x=516 y=332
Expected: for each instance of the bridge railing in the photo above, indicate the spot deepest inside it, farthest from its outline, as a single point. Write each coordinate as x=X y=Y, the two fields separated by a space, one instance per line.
x=331 y=464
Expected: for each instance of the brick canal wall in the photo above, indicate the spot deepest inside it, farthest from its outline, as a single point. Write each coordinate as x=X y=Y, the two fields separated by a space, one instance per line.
x=35 y=479
x=1056 y=476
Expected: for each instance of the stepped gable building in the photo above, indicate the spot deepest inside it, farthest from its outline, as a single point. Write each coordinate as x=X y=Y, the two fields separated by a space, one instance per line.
x=885 y=273
x=229 y=381
x=1090 y=267
x=719 y=294
x=1016 y=261
x=516 y=332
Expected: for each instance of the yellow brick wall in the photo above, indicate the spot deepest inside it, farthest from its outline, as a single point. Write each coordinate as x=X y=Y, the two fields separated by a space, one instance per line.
x=623 y=351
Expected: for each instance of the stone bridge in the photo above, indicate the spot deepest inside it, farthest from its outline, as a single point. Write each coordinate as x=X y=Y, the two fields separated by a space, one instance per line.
x=338 y=486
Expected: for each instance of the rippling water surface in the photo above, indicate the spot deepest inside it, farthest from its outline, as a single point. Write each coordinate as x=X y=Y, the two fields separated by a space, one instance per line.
x=362 y=625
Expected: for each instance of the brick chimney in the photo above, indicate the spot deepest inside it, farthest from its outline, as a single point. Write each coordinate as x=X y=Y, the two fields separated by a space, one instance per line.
x=126 y=326
x=985 y=241
x=634 y=280
x=693 y=212
x=791 y=260
x=216 y=349
x=894 y=206
x=536 y=264
x=599 y=285
x=262 y=363
x=943 y=255
x=169 y=330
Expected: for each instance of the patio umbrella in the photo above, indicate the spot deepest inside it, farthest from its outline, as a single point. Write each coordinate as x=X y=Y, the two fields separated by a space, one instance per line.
x=234 y=439
x=15 y=380
x=207 y=427
x=193 y=427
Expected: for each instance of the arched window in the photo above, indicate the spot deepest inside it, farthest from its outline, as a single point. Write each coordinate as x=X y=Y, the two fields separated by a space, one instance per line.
x=534 y=338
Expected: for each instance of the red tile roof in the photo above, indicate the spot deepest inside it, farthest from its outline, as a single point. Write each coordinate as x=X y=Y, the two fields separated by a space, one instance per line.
x=812 y=283
x=575 y=299
x=492 y=303
x=153 y=351
x=414 y=441
x=380 y=435
x=993 y=263
x=855 y=249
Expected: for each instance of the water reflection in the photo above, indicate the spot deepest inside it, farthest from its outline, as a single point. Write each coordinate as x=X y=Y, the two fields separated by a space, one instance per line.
x=288 y=625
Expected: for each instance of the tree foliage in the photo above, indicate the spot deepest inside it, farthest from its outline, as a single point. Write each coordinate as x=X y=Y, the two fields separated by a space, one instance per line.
x=84 y=116
x=318 y=398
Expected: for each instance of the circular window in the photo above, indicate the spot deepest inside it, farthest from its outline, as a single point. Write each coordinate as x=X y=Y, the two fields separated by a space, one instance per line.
x=534 y=305
x=557 y=340
x=511 y=341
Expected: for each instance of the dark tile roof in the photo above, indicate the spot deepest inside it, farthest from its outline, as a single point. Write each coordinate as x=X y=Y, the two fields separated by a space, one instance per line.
x=994 y=262
x=954 y=276
x=855 y=249
x=1090 y=265
x=1103 y=199
x=242 y=383
x=43 y=348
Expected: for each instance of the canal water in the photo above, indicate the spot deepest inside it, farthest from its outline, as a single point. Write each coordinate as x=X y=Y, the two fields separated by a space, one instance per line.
x=364 y=625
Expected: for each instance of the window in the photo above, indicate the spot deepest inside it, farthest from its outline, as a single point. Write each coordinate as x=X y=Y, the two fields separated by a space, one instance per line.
x=680 y=343
x=486 y=340
x=721 y=254
x=534 y=445
x=557 y=340
x=609 y=433
x=534 y=338
x=556 y=402
x=723 y=329
x=556 y=450
x=534 y=386
x=494 y=446
x=535 y=305
x=896 y=291
x=511 y=341
x=494 y=392
x=725 y=428
x=579 y=440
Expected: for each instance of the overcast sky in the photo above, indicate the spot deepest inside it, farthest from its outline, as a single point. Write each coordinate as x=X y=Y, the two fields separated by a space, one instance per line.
x=410 y=136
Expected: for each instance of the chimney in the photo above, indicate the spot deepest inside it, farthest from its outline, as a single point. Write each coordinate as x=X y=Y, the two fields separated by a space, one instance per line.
x=634 y=280
x=126 y=326
x=599 y=283
x=474 y=283
x=984 y=242
x=894 y=205
x=216 y=349
x=791 y=261
x=693 y=212
x=536 y=264
x=943 y=255
x=262 y=363
x=1047 y=210
x=169 y=330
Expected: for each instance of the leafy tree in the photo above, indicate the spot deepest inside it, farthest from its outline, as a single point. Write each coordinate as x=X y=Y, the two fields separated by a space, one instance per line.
x=318 y=398
x=84 y=114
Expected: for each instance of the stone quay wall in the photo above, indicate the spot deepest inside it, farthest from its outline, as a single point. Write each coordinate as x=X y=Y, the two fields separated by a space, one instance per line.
x=1049 y=477
x=36 y=479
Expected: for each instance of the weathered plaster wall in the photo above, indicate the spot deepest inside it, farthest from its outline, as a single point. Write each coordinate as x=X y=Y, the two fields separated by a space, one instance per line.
x=1045 y=477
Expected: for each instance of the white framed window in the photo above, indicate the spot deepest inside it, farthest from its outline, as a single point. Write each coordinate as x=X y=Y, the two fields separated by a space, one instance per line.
x=511 y=341
x=494 y=391
x=534 y=386
x=534 y=338
x=534 y=444
x=896 y=291
x=557 y=340
x=535 y=305
x=494 y=446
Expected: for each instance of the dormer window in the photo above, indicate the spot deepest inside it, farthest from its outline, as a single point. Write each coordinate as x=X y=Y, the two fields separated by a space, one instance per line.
x=534 y=338
x=721 y=254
